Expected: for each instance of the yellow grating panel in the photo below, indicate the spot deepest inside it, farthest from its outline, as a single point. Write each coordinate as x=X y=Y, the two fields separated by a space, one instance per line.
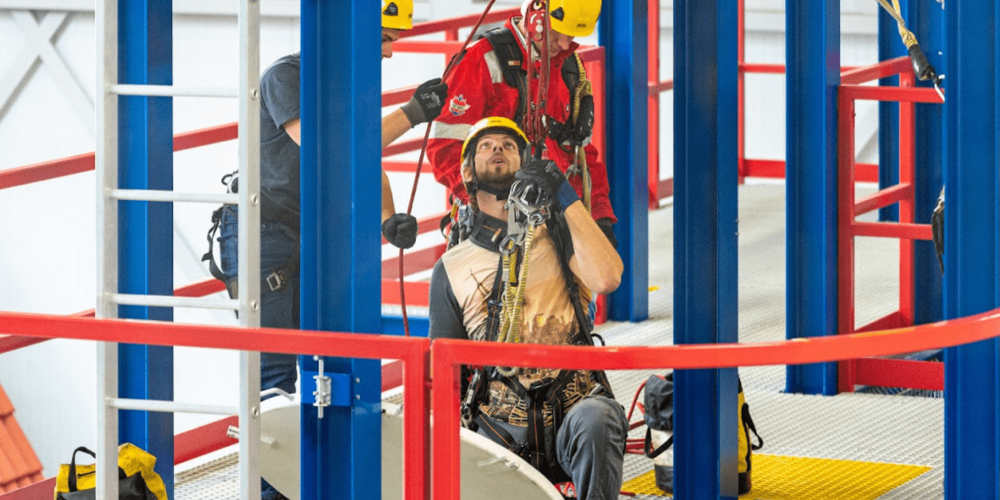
x=798 y=478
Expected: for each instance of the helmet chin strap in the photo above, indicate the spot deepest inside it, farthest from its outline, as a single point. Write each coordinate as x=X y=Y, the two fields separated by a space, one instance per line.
x=501 y=192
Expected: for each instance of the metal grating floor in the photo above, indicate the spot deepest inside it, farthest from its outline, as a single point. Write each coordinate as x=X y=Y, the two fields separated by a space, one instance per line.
x=859 y=427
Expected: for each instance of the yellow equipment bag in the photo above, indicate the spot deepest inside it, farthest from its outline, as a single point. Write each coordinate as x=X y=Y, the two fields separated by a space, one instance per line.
x=136 y=479
x=746 y=447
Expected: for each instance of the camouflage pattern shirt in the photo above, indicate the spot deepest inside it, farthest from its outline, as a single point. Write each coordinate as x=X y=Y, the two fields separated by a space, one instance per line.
x=462 y=282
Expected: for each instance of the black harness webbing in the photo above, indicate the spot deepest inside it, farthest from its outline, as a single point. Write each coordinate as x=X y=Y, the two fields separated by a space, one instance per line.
x=510 y=57
x=277 y=280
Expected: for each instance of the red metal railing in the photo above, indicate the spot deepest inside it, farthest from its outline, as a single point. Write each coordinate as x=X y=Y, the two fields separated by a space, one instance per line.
x=412 y=352
x=881 y=372
x=448 y=355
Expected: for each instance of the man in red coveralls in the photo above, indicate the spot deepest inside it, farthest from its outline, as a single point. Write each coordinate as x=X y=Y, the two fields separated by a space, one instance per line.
x=487 y=80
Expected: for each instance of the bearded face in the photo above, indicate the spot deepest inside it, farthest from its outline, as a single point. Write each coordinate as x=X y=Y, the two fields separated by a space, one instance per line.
x=497 y=160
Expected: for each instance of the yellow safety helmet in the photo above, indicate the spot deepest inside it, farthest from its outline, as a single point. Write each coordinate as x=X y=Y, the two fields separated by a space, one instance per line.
x=494 y=125
x=397 y=14
x=574 y=17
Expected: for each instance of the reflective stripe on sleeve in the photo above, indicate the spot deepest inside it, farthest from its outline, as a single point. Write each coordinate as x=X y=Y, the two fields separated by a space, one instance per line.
x=458 y=131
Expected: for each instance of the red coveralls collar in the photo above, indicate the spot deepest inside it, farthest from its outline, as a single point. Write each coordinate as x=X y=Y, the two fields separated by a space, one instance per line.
x=511 y=24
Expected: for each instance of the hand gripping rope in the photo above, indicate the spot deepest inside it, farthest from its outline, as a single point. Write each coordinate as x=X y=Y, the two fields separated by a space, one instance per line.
x=921 y=66
x=420 y=163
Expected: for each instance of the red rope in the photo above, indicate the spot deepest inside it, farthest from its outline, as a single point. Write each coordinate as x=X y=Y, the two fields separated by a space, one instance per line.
x=420 y=163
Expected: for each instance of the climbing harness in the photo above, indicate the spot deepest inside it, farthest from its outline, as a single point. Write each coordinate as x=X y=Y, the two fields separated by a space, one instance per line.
x=922 y=68
x=274 y=281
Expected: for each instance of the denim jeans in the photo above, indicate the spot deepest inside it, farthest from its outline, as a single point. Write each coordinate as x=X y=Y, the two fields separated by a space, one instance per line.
x=590 y=446
x=279 y=309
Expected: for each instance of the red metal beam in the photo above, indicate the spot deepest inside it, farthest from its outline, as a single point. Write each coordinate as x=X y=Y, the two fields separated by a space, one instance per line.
x=417 y=292
x=658 y=87
x=203 y=440
x=879 y=372
x=397 y=96
x=443 y=47
x=775 y=169
x=884 y=69
x=774 y=69
x=453 y=23
x=403 y=147
x=38 y=172
x=413 y=262
x=206 y=136
x=883 y=198
x=886 y=322
x=892 y=230
x=890 y=94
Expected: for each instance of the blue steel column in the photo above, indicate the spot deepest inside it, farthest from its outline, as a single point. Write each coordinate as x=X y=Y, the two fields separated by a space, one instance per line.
x=889 y=47
x=341 y=268
x=705 y=260
x=971 y=231
x=145 y=235
x=927 y=23
x=813 y=62
x=622 y=31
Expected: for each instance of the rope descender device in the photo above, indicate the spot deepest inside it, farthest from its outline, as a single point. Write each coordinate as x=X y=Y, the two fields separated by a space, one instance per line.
x=536 y=24
x=527 y=208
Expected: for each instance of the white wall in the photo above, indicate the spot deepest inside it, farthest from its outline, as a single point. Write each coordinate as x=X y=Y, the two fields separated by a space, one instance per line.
x=47 y=230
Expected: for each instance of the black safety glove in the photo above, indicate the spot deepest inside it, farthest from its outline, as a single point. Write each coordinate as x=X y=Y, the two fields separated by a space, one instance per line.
x=427 y=102
x=400 y=230
x=575 y=133
x=550 y=180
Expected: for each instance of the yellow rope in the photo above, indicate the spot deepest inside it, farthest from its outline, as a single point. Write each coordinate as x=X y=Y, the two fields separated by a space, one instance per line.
x=511 y=314
x=582 y=89
x=895 y=11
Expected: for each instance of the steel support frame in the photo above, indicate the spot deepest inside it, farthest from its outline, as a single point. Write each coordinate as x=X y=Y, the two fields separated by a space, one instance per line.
x=927 y=23
x=706 y=173
x=340 y=265
x=972 y=419
x=145 y=230
x=813 y=69
x=623 y=31
x=889 y=47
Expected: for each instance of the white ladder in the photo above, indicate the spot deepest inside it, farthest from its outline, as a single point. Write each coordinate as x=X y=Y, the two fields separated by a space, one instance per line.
x=108 y=196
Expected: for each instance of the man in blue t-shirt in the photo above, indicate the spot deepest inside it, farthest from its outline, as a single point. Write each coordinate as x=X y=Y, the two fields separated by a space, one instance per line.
x=279 y=184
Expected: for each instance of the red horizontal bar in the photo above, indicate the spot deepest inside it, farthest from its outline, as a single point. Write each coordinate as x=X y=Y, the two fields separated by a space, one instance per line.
x=883 y=198
x=200 y=289
x=590 y=53
x=413 y=262
x=881 y=372
x=775 y=169
x=206 y=136
x=404 y=147
x=38 y=172
x=775 y=69
x=656 y=88
x=768 y=169
x=337 y=344
x=399 y=166
x=427 y=47
x=665 y=189
x=696 y=356
x=397 y=96
x=392 y=375
x=886 y=322
x=892 y=230
x=884 y=69
x=203 y=440
x=454 y=23
x=417 y=292
x=890 y=94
